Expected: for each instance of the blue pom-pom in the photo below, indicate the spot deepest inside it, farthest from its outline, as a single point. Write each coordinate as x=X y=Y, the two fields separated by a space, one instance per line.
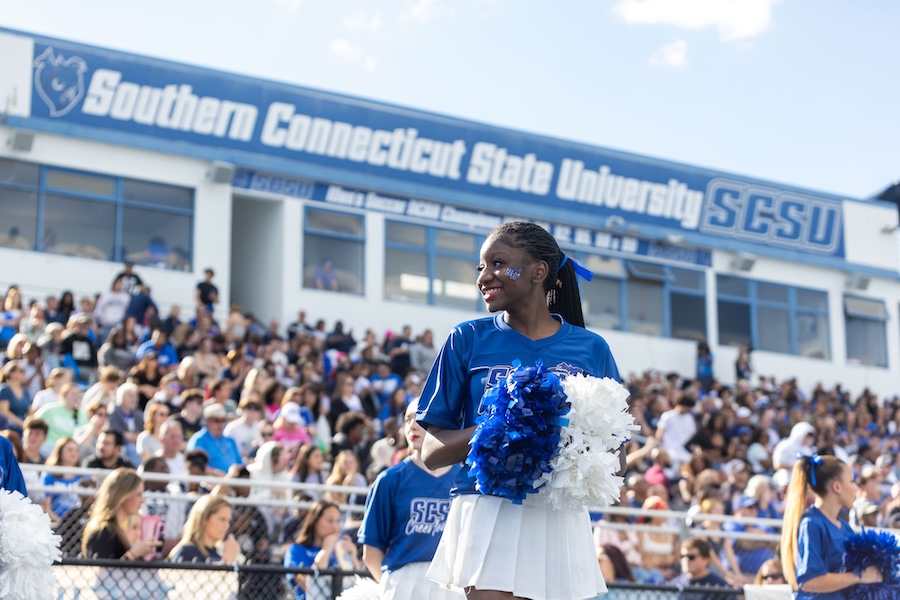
x=517 y=433
x=878 y=549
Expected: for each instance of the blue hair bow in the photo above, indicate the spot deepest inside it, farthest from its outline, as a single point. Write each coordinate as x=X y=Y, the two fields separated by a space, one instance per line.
x=584 y=273
x=814 y=460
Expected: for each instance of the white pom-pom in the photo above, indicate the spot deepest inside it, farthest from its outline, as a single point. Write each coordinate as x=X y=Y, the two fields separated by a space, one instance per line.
x=363 y=589
x=599 y=423
x=28 y=548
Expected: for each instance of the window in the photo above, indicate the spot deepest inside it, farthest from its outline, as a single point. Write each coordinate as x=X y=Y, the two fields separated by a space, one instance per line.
x=428 y=265
x=333 y=251
x=648 y=298
x=95 y=216
x=773 y=317
x=865 y=321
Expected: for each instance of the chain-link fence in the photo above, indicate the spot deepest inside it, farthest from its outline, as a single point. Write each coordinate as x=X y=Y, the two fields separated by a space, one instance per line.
x=79 y=579
x=82 y=579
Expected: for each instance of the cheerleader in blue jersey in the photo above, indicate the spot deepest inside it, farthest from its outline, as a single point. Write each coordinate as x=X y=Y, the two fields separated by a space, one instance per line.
x=812 y=539
x=406 y=512
x=491 y=547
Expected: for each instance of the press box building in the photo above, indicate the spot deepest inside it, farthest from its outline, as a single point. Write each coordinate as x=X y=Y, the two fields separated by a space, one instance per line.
x=111 y=156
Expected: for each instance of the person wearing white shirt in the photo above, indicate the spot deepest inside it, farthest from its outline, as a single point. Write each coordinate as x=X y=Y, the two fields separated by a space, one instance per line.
x=245 y=429
x=675 y=428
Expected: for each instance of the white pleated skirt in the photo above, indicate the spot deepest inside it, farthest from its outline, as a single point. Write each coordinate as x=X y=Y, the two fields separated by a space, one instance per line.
x=410 y=583
x=528 y=549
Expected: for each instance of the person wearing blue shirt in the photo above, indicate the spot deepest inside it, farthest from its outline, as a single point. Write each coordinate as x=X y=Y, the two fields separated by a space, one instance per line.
x=406 y=512
x=319 y=545
x=165 y=353
x=15 y=402
x=10 y=473
x=492 y=547
x=812 y=540
x=223 y=451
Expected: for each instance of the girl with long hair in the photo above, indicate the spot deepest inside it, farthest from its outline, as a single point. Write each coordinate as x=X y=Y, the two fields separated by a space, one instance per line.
x=492 y=547
x=320 y=545
x=66 y=453
x=205 y=536
x=812 y=539
x=119 y=497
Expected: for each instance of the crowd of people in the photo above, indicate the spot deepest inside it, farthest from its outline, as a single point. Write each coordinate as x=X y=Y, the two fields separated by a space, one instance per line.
x=109 y=383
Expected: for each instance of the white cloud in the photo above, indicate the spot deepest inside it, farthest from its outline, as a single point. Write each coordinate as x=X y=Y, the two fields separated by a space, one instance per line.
x=427 y=10
x=358 y=21
x=291 y=5
x=344 y=49
x=671 y=55
x=733 y=19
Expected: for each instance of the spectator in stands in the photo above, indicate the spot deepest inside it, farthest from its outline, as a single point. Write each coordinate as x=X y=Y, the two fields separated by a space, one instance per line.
x=190 y=416
x=271 y=465
x=220 y=392
x=62 y=416
x=613 y=565
x=770 y=573
x=758 y=454
x=129 y=280
x=171 y=511
x=148 y=442
x=423 y=353
x=723 y=558
x=147 y=375
x=110 y=309
x=142 y=308
x=205 y=532
x=15 y=403
x=104 y=391
x=319 y=545
x=309 y=468
x=126 y=418
x=675 y=428
x=222 y=450
x=171 y=441
x=658 y=549
x=743 y=371
x=800 y=441
x=245 y=430
x=35 y=368
x=119 y=498
x=34 y=434
x=208 y=362
x=57 y=378
x=384 y=382
x=290 y=427
x=626 y=541
x=78 y=350
x=207 y=293
x=398 y=350
x=159 y=343
x=57 y=504
x=695 y=552
x=761 y=489
x=87 y=435
x=751 y=554
x=108 y=453
x=353 y=434
x=115 y=351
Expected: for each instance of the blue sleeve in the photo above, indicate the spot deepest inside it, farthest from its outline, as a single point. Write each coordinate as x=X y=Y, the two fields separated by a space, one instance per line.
x=443 y=397
x=11 y=477
x=810 y=551
x=377 y=522
x=194 y=442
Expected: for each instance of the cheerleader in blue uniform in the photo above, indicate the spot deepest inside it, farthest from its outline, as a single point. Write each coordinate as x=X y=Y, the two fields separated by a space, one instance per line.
x=493 y=548
x=406 y=512
x=812 y=539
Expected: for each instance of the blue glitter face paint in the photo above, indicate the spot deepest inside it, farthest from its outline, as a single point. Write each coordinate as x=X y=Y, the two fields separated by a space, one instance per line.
x=513 y=273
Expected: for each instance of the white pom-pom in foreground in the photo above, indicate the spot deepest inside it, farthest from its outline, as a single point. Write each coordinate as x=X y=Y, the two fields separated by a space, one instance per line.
x=364 y=589
x=599 y=423
x=28 y=548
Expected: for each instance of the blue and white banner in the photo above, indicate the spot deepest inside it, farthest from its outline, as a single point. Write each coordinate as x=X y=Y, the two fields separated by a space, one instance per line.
x=603 y=242
x=101 y=89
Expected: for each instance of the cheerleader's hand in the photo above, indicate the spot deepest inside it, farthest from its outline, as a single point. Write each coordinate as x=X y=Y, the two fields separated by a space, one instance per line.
x=871 y=575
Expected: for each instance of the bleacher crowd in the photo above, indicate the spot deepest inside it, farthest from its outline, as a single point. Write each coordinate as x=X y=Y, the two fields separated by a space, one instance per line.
x=109 y=383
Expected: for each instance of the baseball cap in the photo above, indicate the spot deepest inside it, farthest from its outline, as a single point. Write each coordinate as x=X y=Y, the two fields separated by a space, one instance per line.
x=291 y=413
x=744 y=501
x=865 y=508
x=743 y=413
x=215 y=411
x=735 y=466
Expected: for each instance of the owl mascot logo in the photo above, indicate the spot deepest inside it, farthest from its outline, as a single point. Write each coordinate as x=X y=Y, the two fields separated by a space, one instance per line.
x=59 y=81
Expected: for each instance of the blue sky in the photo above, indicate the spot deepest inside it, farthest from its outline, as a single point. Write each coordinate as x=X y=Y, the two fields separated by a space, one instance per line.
x=803 y=92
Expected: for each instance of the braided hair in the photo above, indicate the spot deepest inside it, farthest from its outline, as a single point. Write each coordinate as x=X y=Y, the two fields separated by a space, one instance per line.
x=560 y=284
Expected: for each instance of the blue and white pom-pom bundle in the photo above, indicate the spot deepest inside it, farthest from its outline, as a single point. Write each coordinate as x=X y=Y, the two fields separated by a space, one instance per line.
x=582 y=472
x=556 y=437
x=878 y=549
x=517 y=433
x=28 y=548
